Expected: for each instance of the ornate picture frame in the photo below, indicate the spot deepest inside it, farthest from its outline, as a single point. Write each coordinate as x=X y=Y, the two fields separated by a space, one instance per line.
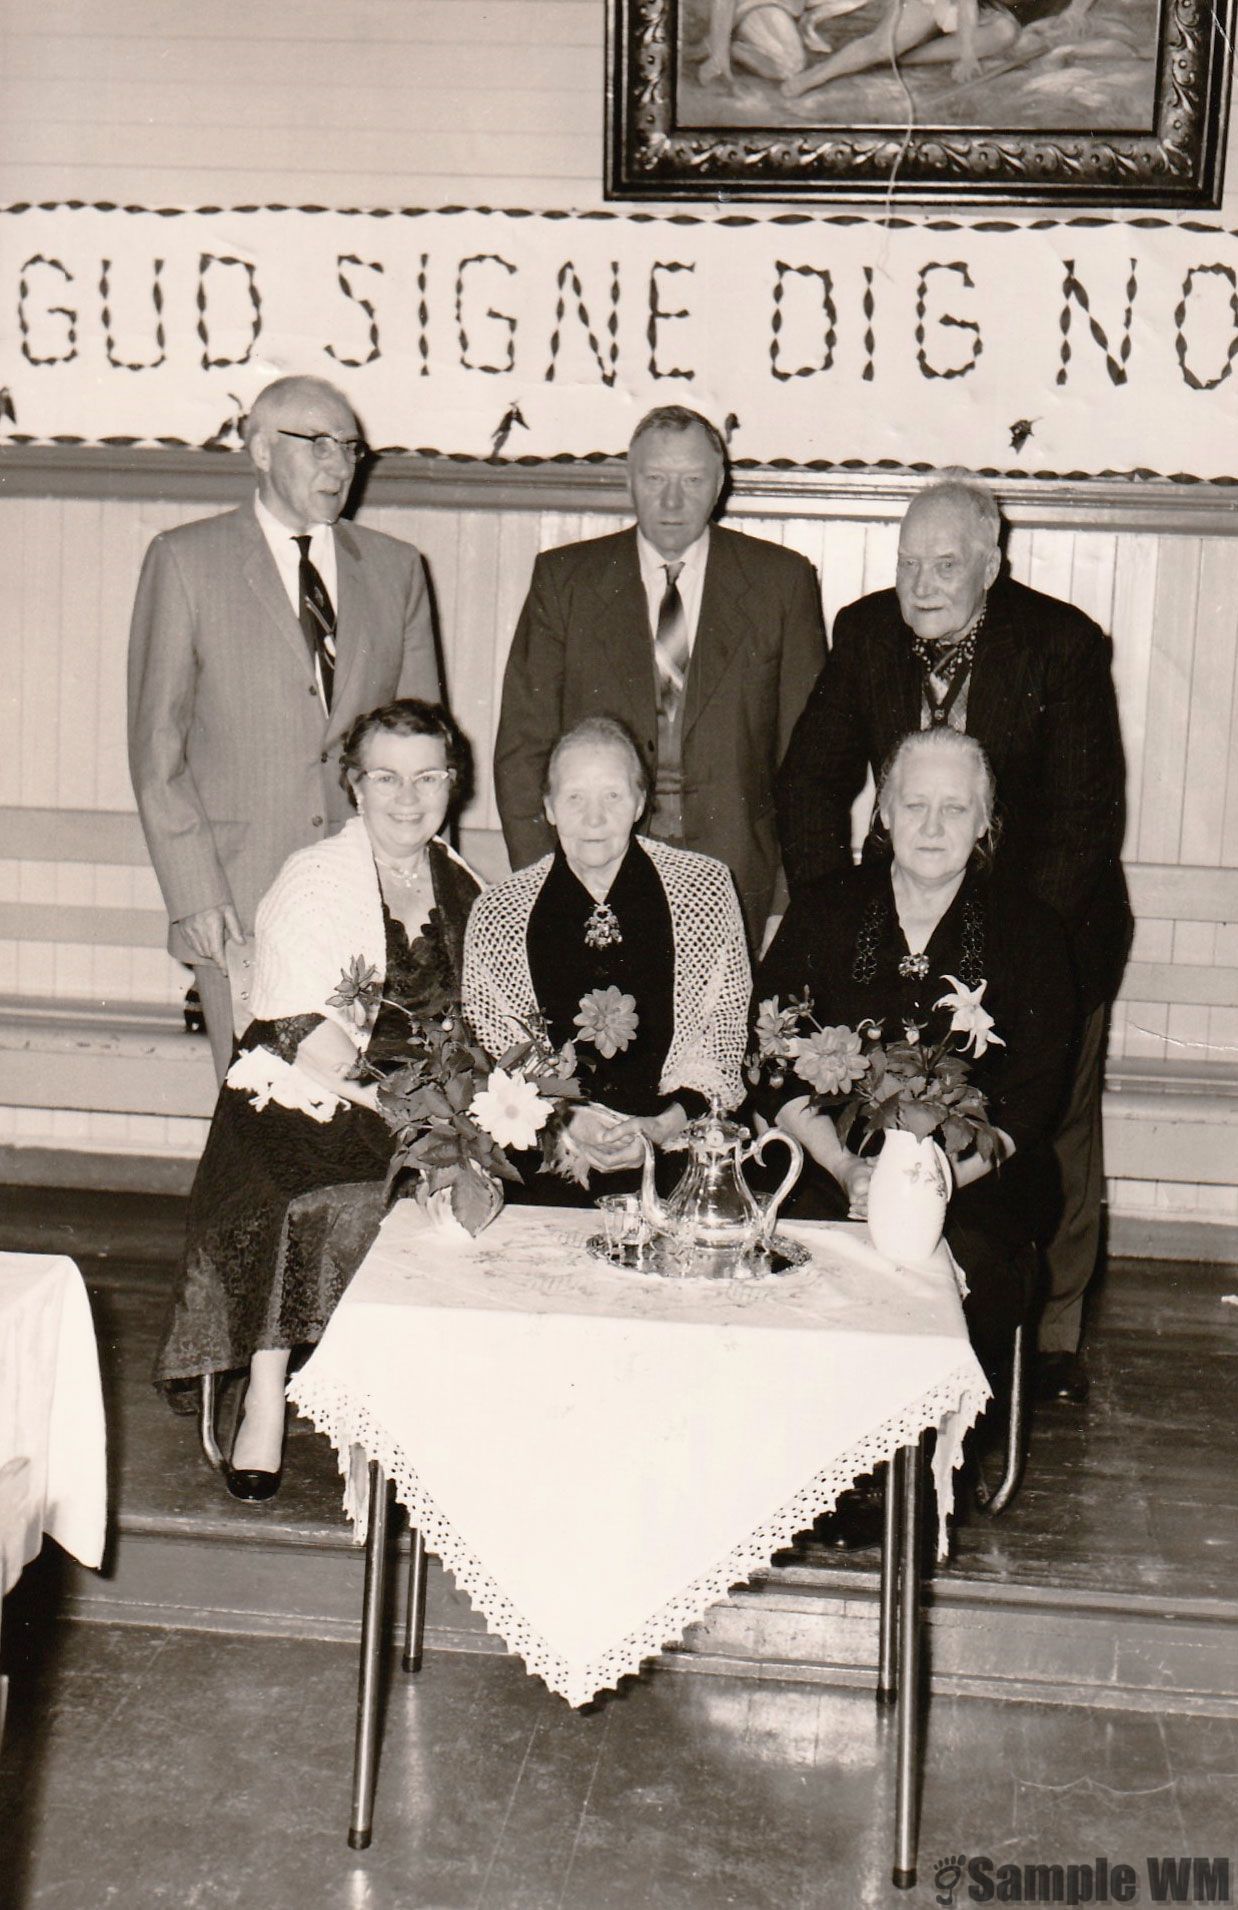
x=983 y=102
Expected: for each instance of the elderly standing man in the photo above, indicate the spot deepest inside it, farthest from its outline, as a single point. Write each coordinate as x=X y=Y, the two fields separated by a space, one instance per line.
x=257 y=639
x=958 y=642
x=702 y=641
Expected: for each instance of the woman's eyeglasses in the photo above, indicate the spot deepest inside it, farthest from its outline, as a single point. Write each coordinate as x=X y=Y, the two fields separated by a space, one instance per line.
x=427 y=782
x=354 y=449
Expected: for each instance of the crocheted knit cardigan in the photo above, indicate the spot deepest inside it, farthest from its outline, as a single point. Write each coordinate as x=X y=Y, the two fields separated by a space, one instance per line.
x=324 y=907
x=712 y=982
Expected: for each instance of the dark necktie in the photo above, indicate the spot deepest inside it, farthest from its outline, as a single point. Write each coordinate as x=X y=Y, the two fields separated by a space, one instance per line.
x=317 y=620
x=671 y=641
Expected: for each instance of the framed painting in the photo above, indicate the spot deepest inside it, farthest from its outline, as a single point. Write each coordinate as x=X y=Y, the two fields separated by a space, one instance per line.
x=965 y=102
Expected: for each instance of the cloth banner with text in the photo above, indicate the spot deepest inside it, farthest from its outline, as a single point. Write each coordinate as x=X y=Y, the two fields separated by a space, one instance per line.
x=1072 y=347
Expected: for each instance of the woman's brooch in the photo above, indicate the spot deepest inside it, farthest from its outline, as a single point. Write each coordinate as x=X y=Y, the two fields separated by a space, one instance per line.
x=914 y=967
x=602 y=927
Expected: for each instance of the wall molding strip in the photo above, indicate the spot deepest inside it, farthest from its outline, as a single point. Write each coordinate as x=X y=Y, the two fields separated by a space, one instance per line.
x=1162 y=505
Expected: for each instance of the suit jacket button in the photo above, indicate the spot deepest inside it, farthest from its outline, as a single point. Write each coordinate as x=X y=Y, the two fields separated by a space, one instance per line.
x=323 y=757
x=315 y=822
x=313 y=689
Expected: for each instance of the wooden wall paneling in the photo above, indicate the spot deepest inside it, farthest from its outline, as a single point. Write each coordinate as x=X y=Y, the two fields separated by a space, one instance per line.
x=1093 y=575
x=572 y=527
x=121 y=562
x=518 y=547
x=1186 y=1026
x=1163 y=769
x=1134 y=612
x=1211 y=723
x=13 y=640
x=43 y=660
x=880 y=557
x=841 y=569
x=472 y=652
x=83 y=663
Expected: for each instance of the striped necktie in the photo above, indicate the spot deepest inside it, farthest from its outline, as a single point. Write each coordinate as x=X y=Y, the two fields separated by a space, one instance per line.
x=317 y=620
x=671 y=641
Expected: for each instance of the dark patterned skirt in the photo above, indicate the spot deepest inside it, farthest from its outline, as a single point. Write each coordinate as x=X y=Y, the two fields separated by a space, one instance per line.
x=282 y=1212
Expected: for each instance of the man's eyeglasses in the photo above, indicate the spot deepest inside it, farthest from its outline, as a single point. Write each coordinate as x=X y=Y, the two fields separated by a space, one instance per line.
x=427 y=782
x=354 y=449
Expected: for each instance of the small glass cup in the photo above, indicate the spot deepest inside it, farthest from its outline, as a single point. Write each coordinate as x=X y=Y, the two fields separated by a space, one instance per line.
x=626 y=1231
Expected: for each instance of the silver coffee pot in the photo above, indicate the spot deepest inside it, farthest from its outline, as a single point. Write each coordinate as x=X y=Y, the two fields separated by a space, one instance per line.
x=713 y=1224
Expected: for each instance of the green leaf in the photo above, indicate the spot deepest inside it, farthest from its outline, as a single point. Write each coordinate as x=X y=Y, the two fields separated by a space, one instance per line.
x=475 y=1200
x=436 y=1150
x=919 y=1118
x=459 y=1091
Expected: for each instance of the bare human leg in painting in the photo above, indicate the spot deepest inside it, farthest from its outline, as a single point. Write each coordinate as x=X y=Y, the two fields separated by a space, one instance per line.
x=771 y=38
x=915 y=29
x=960 y=33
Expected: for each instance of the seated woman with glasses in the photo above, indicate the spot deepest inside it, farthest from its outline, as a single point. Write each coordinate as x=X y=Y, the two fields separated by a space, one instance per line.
x=259 y=1279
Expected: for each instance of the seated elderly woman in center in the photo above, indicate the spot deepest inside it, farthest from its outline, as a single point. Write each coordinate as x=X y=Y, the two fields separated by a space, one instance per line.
x=630 y=947
x=886 y=941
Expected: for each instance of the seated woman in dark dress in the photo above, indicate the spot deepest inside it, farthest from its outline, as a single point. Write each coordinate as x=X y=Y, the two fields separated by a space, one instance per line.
x=877 y=942
x=258 y=1279
x=658 y=927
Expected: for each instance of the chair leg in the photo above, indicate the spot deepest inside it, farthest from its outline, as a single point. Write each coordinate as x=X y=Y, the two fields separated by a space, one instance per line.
x=991 y=1503
x=907 y=1782
x=365 y=1760
x=887 y=1655
x=206 y=1424
x=415 y=1618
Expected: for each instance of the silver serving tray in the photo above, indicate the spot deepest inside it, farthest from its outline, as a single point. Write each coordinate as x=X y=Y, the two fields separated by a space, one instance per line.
x=710 y=1264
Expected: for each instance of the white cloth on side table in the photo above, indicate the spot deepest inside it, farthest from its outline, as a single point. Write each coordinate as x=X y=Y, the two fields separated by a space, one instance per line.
x=597 y=1455
x=51 y=1407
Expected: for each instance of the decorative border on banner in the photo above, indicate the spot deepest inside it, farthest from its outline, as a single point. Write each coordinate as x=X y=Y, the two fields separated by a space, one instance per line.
x=887 y=221
x=893 y=221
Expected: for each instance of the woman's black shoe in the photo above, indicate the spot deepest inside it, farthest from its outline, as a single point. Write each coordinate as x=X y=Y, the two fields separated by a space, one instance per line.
x=246 y=1483
x=855 y=1524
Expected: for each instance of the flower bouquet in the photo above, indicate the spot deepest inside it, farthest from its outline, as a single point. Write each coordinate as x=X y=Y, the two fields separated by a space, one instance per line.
x=873 y=1083
x=454 y=1111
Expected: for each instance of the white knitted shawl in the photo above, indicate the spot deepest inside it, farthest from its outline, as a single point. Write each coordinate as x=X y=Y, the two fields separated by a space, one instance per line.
x=712 y=982
x=324 y=907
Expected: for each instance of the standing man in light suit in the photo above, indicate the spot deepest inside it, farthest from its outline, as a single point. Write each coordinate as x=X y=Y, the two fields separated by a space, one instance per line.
x=257 y=638
x=702 y=641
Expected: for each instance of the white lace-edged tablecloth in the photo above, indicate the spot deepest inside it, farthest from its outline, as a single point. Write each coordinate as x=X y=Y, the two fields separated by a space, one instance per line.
x=598 y=1456
x=51 y=1411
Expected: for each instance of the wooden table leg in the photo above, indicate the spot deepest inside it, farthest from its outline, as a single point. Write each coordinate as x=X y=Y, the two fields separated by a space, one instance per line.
x=887 y=1656
x=415 y=1618
x=365 y=1759
x=906 y=1795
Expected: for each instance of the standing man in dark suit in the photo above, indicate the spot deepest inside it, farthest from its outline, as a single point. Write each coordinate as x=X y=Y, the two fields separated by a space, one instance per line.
x=257 y=638
x=702 y=641
x=955 y=642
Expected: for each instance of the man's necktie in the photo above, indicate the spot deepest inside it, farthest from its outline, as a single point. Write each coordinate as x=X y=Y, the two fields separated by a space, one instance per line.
x=317 y=620
x=671 y=641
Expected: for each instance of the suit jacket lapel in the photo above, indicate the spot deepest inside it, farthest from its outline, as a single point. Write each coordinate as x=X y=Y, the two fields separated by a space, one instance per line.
x=898 y=684
x=258 y=569
x=622 y=630
x=351 y=644
x=997 y=673
x=724 y=620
